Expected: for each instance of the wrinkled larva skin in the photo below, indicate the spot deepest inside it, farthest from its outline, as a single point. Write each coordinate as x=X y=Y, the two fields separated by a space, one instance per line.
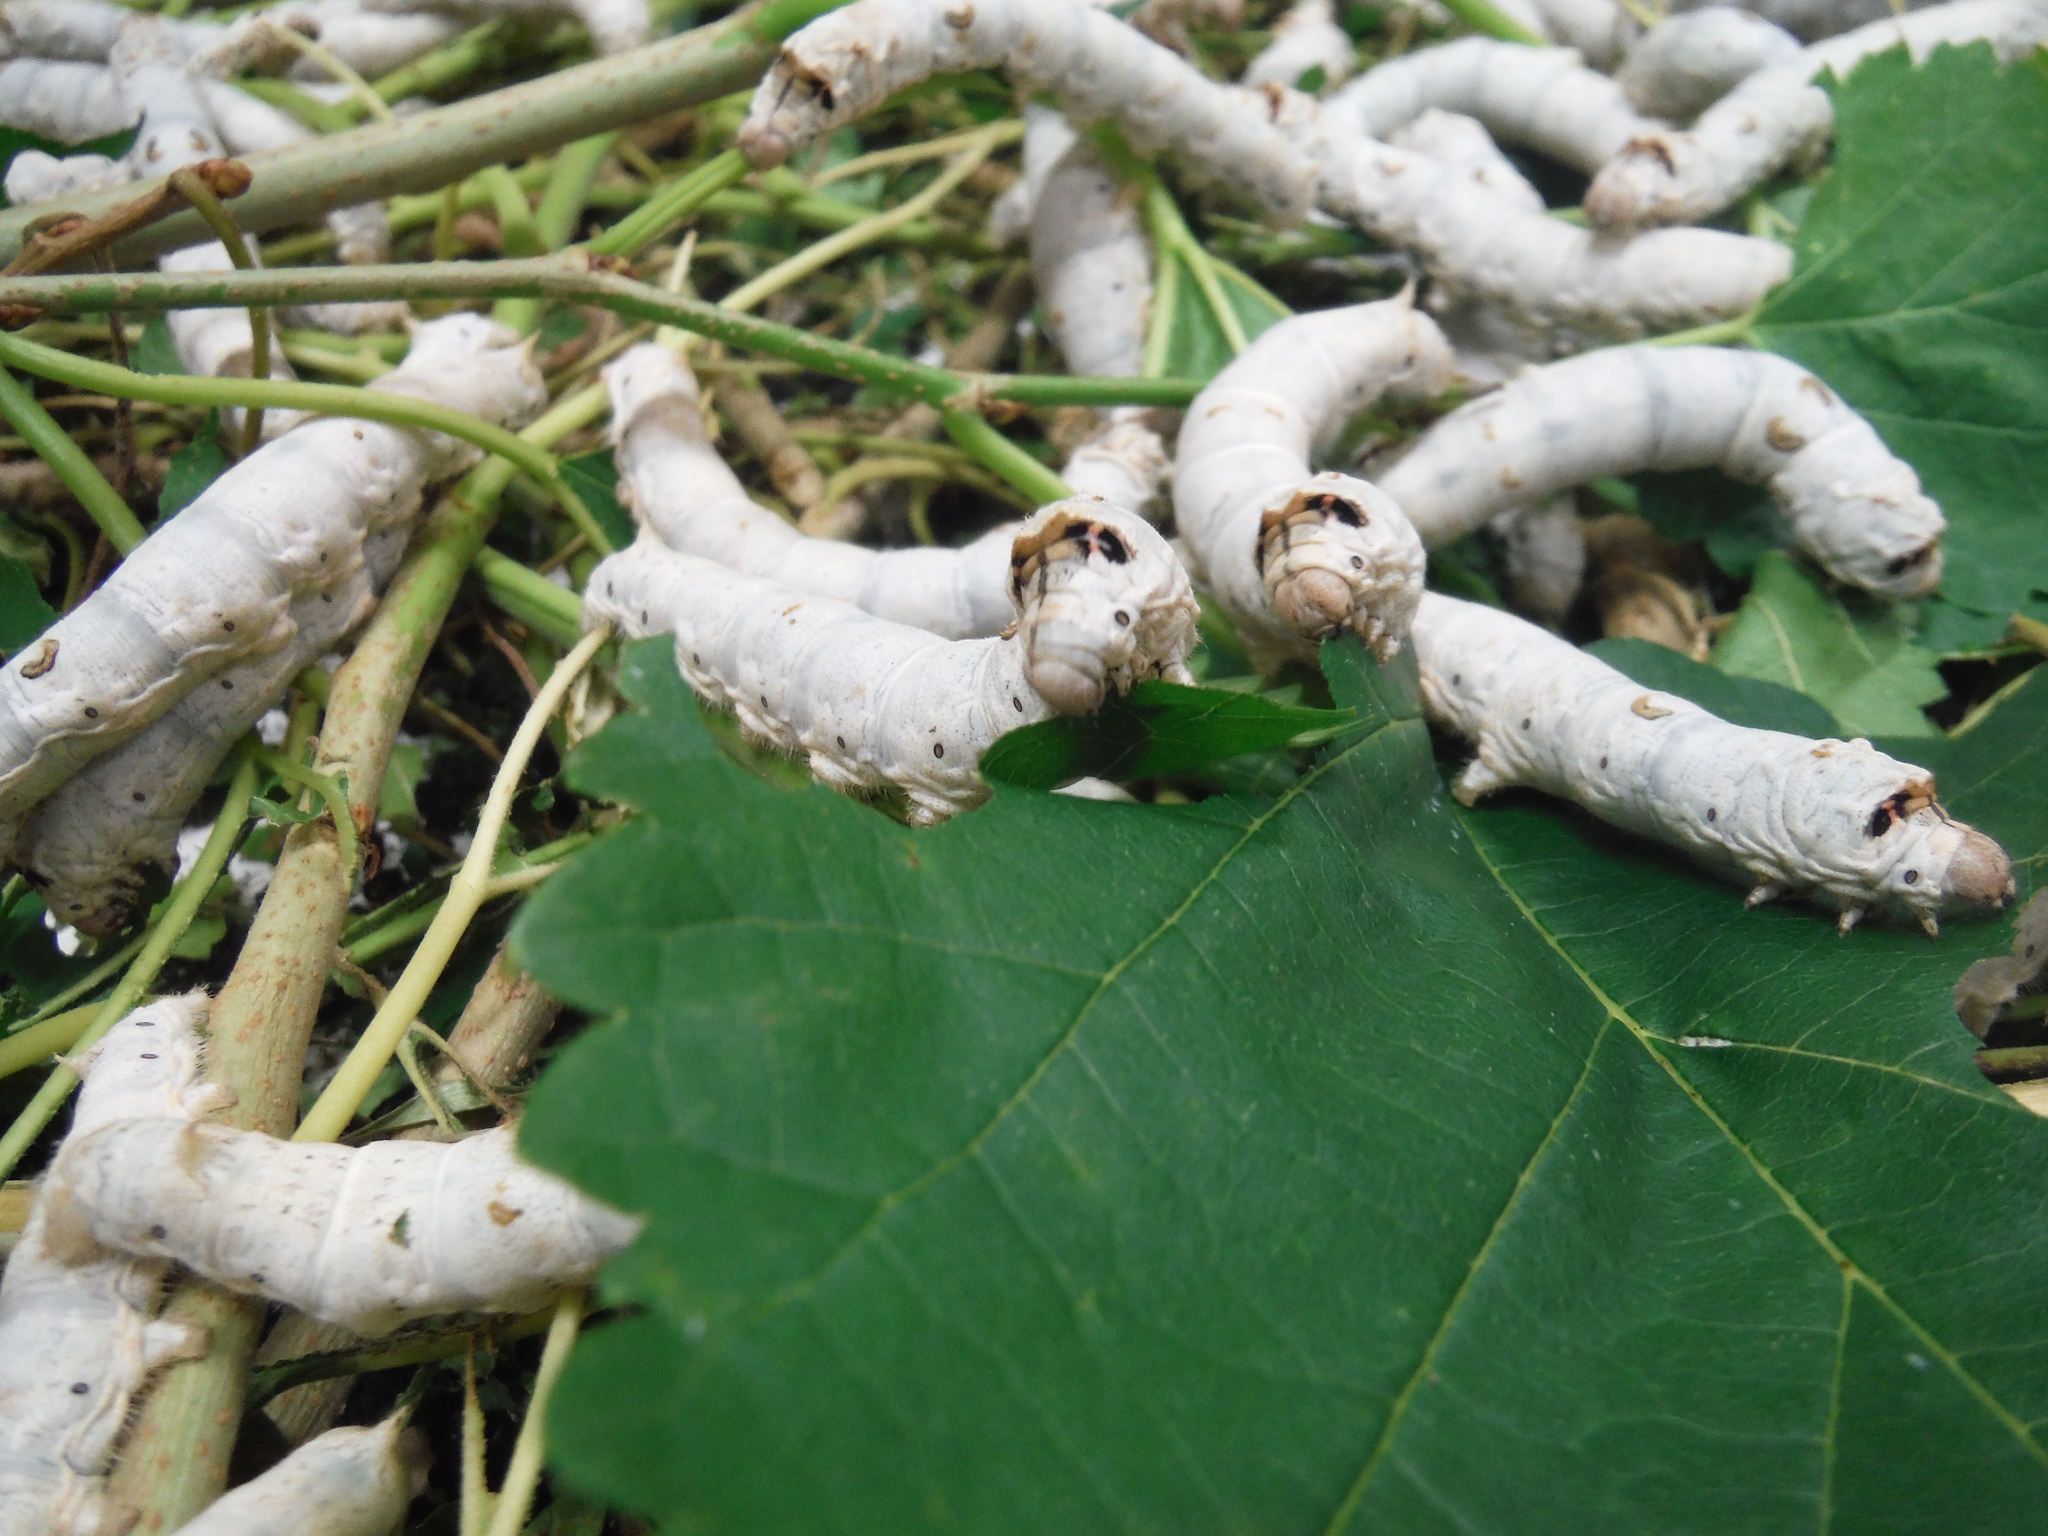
x=1293 y=556
x=1836 y=821
x=77 y=1335
x=1307 y=37
x=1102 y=603
x=365 y=1237
x=682 y=489
x=1543 y=98
x=1777 y=117
x=684 y=493
x=215 y=588
x=1557 y=280
x=1852 y=505
x=352 y=1481
x=1681 y=66
x=869 y=703
x=1600 y=29
x=1461 y=143
x=847 y=62
x=1125 y=462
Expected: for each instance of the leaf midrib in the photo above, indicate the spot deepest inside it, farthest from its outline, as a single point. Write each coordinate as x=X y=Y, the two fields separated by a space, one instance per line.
x=1853 y=1273
x=802 y=1288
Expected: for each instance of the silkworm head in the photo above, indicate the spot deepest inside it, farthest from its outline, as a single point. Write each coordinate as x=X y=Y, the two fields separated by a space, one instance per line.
x=1339 y=554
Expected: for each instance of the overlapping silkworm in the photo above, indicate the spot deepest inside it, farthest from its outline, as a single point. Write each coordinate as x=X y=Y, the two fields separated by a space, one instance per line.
x=1291 y=555
x=366 y=1237
x=1835 y=821
x=1813 y=20
x=78 y=1334
x=1853 y=506
x=1686 y=64
x=1542 y=98
x=1306 y=37
x=1096 y=595
x=1777 y=117
x=850 y=61
x=353 y=1481
x=192 y=636
x=869 y=703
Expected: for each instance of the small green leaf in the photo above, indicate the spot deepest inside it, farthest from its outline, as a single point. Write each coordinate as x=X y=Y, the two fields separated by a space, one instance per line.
x=192 y=469
x=198 y=939
x=23 y=613
x=396 y=800
x=155 y=352
x=1862 y=666
x=1162 y=728
x=1920 y=292
x=595 y=478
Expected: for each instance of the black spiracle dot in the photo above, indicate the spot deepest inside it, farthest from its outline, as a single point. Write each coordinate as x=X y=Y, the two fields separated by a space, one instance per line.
x=1712 y=814
x=145 y=1023
x=159 y=1233
x=228 y=625
x=80 y=1388
x=1912 y=877
x=91 y=713
x=1457 y=678
x=938 y=749
x=1123 y=619
x=138 y=797
x=1016 y=704
x=1358 y=562
x=227 y=682
x=149 y=1055
x=643 y=617
x=1525 y=722
x=1603 y=762
x=255 y=1279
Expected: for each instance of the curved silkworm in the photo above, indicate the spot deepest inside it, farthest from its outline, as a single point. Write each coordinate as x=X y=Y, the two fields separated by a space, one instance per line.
x=215 y=587
x=78 y=1338
x=1857 y=509
x=1599 y=29
x=352 y=1481
x=1812 y=20
x=1562 y=283
x=1463 y=145
x=1291 y=555
x=1543 y=98
x=1835 y=821
x=1306 y=37
x=849 y=61
x=870 y=704
x=682 y=489
x=1681 y=66
x=1778 y=117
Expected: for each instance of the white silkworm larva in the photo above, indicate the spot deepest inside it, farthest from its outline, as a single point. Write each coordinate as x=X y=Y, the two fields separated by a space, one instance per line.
x=1543 y=98
x=1857 y=509
x=370 y=43
x=352 y=1481
x=1836 y=821
x=1543 y=554
x=614 y=25
x=1812 y=20
x=77 y=1335
x=214 y=587
x=676 y=481
x=62 y=101
x=1293 y=556
x=1307 y=37
x=870 y=703
x=1688 y=63
x=1462 y=144
x=849 y=61
x=84 y=848
x=1599 y=29
x=1778 y=117
x=367 y=1237
x=1561 y=282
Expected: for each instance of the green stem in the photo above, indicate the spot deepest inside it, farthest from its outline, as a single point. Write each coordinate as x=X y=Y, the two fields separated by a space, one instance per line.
x=329 y=399
x=81 y=477
x=1740 y=331
x=1484 y=16
x=329 y=790
x=29 y=1047
x=177 y=916
x=196 y=192
x=515 y=1494
x=518 y=235
x=567 y=192
x=565 y=278
x=995 y=451
x=266 y=1381
x=670 y=205
x=298 y=183
x=533 y=600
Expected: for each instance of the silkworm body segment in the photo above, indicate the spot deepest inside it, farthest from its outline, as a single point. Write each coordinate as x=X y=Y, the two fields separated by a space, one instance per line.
x=1835 y=820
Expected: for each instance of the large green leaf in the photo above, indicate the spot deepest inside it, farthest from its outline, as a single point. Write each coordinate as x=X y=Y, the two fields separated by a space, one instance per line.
x=1921 y=293
x=1861 y=665
x=1336 y=1160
